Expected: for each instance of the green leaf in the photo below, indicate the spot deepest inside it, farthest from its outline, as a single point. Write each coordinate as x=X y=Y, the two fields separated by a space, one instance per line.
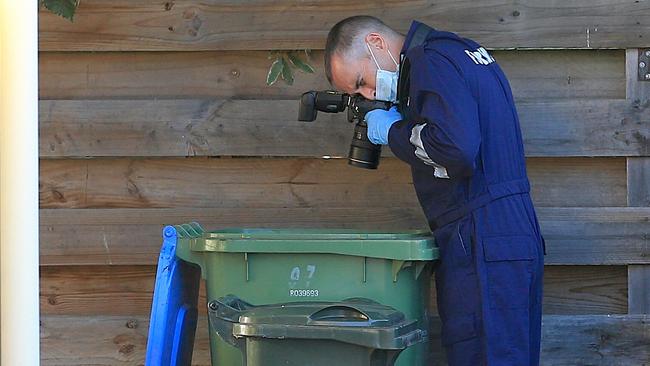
x=287 y=74
x=300 y=64
x=274 y=72
x=63 y=8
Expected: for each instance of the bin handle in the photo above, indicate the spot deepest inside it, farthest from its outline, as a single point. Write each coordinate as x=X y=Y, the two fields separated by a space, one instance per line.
x=340 y=313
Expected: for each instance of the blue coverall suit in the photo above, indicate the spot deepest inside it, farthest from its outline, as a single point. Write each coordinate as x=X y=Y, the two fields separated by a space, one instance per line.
x=460 y=134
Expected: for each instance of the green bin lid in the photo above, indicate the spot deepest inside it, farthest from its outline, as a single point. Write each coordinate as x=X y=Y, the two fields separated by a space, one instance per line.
x=356 y=321
x=405 y=245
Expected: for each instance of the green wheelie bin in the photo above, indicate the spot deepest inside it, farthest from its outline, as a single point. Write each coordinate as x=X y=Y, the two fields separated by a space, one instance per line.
x=267 y=266
x=353 y=332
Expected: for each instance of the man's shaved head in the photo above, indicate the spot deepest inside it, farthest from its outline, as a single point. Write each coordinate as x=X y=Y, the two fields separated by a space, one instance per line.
x=347 y=39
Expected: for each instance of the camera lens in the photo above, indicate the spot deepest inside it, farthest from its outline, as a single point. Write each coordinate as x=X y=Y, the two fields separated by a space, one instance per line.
x=363 y=153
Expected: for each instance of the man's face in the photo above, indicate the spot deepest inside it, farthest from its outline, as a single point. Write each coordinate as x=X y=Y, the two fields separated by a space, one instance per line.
x=354 y=75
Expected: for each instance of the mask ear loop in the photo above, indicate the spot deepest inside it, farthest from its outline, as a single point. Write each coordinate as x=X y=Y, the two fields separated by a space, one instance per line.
x=373 y=56
x=392 y=58
x=375 y=59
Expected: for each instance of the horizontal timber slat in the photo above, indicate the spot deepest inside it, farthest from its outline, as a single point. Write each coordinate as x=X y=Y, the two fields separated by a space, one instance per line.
x=98 y=290
x=584 y=236
x=558 y=74
x=209 y=127
x=294 y=182
x=582 y=340
x=105 y=340
x=148 y=25
x=121 y=340
x=127 y=290
x=585 y=290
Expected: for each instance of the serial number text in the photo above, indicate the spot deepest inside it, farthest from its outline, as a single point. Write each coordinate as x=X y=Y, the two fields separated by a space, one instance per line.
x=303 y=293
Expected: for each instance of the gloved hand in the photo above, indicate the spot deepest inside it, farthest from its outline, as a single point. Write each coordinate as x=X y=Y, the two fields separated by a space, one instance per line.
x=379 y=122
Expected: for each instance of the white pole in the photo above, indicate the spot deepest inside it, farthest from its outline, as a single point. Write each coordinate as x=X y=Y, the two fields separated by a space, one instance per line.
x=19 y=318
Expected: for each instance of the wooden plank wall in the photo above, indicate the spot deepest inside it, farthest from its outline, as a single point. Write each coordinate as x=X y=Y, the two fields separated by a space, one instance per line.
x=156 y=112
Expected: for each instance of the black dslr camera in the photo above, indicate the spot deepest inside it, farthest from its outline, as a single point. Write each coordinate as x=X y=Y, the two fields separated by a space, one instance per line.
x=363 y=153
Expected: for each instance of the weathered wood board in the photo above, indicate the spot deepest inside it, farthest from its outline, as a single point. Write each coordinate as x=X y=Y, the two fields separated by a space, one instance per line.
x=209 y=127
x=294 y=182
x=583 y=236
x=128 y=290
x=149 y=25
x=556 y=74
x=121 y=340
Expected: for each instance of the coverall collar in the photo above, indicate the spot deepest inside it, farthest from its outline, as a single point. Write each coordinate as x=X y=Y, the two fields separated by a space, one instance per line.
x=409 y=36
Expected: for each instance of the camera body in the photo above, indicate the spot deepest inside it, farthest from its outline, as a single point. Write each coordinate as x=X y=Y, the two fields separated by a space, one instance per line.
x=363 y=153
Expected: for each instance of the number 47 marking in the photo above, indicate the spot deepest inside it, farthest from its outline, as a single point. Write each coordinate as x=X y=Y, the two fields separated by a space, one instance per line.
x=295 y=272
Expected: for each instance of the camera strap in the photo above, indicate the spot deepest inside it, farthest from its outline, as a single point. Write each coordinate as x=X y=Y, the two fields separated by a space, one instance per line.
x=404 y=82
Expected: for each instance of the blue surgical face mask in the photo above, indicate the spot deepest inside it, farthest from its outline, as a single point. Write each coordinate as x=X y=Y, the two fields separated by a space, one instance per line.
x=386 y=81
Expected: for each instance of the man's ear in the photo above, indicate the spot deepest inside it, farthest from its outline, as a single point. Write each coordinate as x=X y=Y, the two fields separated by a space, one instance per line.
x=375 y=40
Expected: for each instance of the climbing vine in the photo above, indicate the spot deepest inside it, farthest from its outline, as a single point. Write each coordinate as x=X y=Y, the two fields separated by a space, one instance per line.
x=63 y=8
x=285 y=62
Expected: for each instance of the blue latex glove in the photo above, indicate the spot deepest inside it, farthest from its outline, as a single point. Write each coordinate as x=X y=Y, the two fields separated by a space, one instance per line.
x=379 y=122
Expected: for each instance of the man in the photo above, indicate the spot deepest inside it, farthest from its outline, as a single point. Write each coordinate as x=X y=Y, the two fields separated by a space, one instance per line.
x=457 y=127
